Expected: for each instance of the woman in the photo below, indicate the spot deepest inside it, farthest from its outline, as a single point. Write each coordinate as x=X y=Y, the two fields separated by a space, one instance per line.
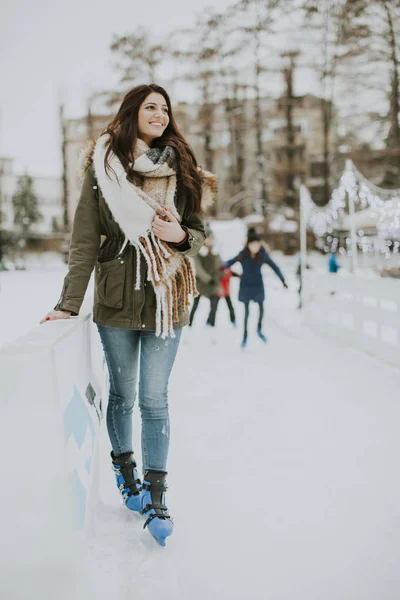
x=143 y=191
x=252 y=258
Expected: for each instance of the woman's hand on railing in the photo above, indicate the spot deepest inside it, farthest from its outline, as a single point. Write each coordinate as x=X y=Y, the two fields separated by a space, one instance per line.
x=53 y=315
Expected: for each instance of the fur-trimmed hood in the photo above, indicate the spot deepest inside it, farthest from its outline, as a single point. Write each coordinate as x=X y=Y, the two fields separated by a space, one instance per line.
x=86 y=158
x=209 y=188
x=209 y=180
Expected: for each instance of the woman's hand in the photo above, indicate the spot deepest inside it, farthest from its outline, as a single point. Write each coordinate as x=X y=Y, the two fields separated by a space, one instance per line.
x=168 y=230
x=53 y=315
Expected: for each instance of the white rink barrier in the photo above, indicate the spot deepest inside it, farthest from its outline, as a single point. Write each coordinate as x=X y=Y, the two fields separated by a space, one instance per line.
x=53 y=382
x=363 y=313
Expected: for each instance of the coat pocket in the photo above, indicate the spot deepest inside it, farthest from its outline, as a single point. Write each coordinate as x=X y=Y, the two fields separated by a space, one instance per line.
x=110 y=282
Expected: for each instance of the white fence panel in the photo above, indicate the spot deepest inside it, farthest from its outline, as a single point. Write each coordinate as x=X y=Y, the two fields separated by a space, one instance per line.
x=51 y=395
x=364 y=313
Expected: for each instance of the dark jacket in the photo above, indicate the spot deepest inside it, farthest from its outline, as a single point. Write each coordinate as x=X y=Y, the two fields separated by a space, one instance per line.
x=116 y=302
x=208 y=273
x=251 y=282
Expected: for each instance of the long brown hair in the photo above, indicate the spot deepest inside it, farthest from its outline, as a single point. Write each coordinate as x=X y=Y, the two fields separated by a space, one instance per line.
x=123 y=132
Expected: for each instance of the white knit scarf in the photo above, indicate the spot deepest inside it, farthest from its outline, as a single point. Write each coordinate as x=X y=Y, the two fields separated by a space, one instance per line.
x=134 y=208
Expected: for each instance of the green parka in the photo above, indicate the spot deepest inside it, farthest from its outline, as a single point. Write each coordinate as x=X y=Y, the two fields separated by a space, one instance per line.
x=208 y=274
x=95 y=243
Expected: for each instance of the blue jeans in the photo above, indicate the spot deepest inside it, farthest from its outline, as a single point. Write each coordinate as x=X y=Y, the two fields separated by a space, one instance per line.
x=127 y=352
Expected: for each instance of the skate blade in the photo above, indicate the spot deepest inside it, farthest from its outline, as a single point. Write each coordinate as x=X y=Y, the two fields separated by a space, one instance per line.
x=160 y=539
x=150 y=542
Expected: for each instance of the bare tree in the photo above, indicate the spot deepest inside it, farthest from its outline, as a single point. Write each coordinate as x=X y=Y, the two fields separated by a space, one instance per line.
x=373 y=29
x=234 y=102
x=200 y=56
x=63 y=128
x=257 y=19
x=138 y=57
x=325 y=20
x=289 y=103
x=393 y=138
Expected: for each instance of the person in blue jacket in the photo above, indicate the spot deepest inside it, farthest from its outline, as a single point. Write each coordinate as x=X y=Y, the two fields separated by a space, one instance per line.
x=252 y=258
x=333 y=265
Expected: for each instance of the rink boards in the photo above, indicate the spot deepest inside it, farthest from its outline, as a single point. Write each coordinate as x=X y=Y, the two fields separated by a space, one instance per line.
x=52 y=382
x=361 y=312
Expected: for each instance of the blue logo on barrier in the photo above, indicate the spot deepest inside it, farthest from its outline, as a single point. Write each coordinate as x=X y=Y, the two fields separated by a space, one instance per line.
x=77 y=419
x=78 y=424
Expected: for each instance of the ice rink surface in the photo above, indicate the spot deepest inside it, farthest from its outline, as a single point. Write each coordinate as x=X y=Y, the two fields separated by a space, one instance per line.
x=283 y=467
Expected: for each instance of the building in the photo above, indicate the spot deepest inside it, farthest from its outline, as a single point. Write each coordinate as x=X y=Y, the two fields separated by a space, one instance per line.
x=308 y=147
x=232 y=148
x=224 y=138
x=375 y=165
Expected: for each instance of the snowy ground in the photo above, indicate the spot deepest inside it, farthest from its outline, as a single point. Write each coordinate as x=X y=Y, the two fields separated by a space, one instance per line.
x=26 y=296
x=283 y=465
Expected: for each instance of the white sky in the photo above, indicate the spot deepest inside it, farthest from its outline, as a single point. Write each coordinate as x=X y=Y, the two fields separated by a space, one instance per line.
x=53 y=49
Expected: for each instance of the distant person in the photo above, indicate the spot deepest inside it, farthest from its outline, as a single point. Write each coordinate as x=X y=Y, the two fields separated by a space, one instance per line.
x=2 y=265
x=143 y=191
x=252 y=258
x=225 y=292
x=208 y=275
x=333 y=265
x=299 y=276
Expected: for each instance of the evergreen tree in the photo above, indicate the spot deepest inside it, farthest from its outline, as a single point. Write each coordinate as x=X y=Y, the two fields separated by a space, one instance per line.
x=25 y=205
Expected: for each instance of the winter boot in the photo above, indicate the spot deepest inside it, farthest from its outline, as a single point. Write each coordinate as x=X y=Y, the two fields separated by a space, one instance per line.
x=128 y=482
x=158 y=521
x=261 y=336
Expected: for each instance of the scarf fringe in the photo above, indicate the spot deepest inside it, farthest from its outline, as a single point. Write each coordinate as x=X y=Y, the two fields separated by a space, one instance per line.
x=172 y=278
x=164 y=249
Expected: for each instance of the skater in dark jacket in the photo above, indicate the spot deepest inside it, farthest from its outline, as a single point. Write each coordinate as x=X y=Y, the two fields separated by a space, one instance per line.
x=252 y=258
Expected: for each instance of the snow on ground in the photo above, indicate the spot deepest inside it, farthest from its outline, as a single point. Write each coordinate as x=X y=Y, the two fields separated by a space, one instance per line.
x=281 y=476
x=26 y=296
x=282 y=470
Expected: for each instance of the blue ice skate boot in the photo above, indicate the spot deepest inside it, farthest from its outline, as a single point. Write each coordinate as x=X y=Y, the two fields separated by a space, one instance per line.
x=244 y=342
x=128 y=482
x=261 y=336
x=158 y=521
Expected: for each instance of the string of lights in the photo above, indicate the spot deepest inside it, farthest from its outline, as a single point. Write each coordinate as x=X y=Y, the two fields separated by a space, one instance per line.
x=383 y=205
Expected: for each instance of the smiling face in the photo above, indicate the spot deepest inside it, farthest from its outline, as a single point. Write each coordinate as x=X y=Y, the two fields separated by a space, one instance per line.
x=153 y=118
